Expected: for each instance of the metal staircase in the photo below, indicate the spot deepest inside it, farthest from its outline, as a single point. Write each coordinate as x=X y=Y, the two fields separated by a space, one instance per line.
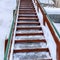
x=28 y=42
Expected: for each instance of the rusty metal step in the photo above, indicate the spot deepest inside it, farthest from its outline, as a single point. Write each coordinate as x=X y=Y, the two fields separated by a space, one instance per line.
x=28 y=34
x=19 y=23
x=29 y=41
x=29 y=28
x=29 y=31
x=27 y=21
x=27 y=15
x=31 y=10
x=27 y=18
x=31 y=50
x=26 y=8
x=27 y=12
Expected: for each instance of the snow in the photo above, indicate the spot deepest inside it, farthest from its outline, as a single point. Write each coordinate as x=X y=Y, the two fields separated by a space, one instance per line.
x=50 y=41
x=51 y=10
x=47 y=34
x=6 y=17
x=31 y=56
x=58 y=28
x=46 y=1
x=30 y=45
x=40 y=16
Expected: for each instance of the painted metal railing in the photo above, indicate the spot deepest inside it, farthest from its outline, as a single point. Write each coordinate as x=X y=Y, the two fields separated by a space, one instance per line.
x=55 y=29
x=9 y=42
x=51 y=21
x=8 y=48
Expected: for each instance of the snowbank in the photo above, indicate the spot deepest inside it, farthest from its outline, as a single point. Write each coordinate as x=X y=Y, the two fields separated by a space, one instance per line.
x=57 y=25
x=51 y=10
x=46 y=1
x=6 y=17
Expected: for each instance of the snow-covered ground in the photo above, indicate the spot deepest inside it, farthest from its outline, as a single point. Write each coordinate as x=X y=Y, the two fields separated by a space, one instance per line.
x=46 y=1
x=51 y=10
x=57 y=25
x=6 y=18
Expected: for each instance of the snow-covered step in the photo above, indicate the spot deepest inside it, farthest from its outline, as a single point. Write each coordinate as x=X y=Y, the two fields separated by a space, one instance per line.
x=32 y=56
x=29 y=37
x=27 y=10
x=30 y=45
x=29 y=31
x=33 y=27
x=29 y=23
x=31 y=41
x=29 y=34
x=28 y=18
x=29 y=15
x=24 y=7
x=24 y=24
x=28 y=26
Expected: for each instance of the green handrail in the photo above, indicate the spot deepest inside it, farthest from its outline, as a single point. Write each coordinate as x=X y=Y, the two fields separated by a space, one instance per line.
x=9 y=39
x=11 y=31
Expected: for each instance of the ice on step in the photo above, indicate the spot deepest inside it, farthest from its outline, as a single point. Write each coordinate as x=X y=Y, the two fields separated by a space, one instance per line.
x=29 y=37
x=27 y=26
x=29 y=31
x=31 y=56
x=30 y=45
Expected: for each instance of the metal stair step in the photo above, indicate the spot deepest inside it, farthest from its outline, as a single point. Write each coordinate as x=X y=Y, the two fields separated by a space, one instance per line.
x=31 y=50
x=32 y=56
x=30 y=45
x=30 y=41
x=26 y=8
x=26 y=34
x=27 y=15
x=28 y=23
x=28 y=31
x=28 y=28
x=30 y=37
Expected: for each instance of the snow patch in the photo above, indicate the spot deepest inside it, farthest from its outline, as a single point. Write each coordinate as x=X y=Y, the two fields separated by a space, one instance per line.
x=51 y=10
x=57 y=25
x=50 y=41
x=6 y=18
x=46 y=1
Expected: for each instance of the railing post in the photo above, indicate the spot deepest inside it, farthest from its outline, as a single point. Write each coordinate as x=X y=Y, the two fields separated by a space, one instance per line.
x=5 y=44
x=58 y=52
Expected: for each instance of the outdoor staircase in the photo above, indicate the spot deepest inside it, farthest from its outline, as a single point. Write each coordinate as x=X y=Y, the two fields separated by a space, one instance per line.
x=29 y=42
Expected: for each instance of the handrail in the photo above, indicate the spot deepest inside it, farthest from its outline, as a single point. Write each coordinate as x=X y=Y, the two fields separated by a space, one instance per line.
x=11 y=33
x=51 y=23
x=45 y=13
x=9 y=42
x=54 y=27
